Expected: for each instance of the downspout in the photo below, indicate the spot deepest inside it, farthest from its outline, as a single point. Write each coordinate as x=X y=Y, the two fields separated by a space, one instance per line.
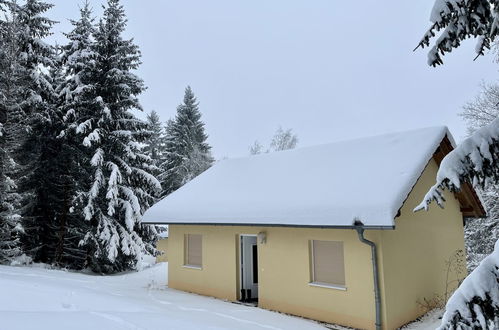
x=374 y=257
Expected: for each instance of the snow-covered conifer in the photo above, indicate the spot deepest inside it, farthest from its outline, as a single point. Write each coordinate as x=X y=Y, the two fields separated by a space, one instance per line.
x=155 y=144
x=55 y=224
x=10 y=128
x=37 y=61
x=474 y=160
x=44 y=178
x=25 y=87
x=121 y=186
x=256 y=148
x=187 y=154
x=456 y=20
x=475 y=304
x=74 y=99
x=283 y=140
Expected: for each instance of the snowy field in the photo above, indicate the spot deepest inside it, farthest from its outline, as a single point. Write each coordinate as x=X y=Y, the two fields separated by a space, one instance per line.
x=38 y=298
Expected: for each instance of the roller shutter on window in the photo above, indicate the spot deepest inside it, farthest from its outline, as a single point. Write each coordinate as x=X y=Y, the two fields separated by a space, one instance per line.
x=328 y=265
x=193 y=250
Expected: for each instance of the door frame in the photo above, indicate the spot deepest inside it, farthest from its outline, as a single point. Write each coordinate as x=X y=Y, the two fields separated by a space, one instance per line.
x=239 y=265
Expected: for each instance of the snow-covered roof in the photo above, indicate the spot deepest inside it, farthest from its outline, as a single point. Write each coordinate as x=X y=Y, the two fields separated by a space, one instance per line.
x=326 y=185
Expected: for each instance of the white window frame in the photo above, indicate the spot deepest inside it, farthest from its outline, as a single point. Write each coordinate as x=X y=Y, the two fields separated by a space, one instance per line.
x=314 y=283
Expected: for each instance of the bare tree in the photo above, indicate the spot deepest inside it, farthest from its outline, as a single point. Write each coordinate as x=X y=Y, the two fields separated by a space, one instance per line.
x=483 y=109
x=282 y=140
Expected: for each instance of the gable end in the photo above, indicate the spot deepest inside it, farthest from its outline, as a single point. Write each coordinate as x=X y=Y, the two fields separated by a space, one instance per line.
x=470 y=203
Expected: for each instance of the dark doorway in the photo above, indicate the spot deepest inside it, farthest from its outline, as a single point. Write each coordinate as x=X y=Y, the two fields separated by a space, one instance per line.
x=249 y=268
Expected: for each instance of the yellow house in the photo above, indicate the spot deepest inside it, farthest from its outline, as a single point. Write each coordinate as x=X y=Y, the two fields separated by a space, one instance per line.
x=325 y=232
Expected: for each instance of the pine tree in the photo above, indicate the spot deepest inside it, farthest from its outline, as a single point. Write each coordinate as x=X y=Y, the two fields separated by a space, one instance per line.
x=122 y=187
x=39 y=150
x=10 y=119
x=256 y=148
x=41 y=180
x=475 y=304
x=54 y=230
x=74 y=97
x=457 y=20
x=187 y=154
x=155 y=145
x=25 y=86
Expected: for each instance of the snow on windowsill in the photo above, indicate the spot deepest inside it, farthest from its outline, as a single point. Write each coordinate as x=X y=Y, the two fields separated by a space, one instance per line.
x=192 y=267
x=328 y=286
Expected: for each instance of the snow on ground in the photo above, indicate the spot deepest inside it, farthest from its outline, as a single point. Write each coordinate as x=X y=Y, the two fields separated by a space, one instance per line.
x=431 y=320
x=39 y=298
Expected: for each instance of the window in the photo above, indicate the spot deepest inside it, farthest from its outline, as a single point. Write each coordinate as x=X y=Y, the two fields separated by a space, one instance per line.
x=193 y=250
x=328 y=266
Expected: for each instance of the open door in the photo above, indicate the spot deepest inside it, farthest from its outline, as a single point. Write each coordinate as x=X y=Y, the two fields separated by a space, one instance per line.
x=249 y=268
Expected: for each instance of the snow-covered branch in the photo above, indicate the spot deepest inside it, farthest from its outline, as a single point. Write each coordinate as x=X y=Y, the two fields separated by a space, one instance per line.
x=475 y=305
x=456 y=20
x=475 y=160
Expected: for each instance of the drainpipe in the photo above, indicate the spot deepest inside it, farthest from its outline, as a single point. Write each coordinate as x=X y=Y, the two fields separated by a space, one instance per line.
x=377 y=299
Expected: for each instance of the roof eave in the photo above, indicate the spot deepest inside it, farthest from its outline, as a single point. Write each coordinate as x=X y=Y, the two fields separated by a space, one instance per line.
x=372 y=227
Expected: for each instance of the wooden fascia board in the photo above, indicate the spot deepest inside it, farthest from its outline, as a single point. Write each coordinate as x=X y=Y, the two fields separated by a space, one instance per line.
x=470 y=203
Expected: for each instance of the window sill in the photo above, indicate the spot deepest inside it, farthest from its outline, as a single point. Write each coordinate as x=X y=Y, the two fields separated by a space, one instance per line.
x=192 y=267
x=328 y=286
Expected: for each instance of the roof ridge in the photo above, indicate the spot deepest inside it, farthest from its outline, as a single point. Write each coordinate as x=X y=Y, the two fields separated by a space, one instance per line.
x=341 y=141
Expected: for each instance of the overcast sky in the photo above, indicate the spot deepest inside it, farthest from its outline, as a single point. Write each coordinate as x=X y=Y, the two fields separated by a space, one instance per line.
x=330 y=70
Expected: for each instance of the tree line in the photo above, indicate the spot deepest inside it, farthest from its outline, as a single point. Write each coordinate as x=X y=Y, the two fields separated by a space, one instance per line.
x=77 y=167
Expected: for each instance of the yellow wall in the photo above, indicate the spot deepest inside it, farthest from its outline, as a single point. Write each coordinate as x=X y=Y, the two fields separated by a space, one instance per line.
x=284 y=283
x=414 y=255
x=284 y=271
x=218 y=275
x=162 y=245
x=411 y=264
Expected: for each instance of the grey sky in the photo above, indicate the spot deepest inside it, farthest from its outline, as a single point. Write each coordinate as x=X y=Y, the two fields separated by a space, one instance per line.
x=330 y=70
